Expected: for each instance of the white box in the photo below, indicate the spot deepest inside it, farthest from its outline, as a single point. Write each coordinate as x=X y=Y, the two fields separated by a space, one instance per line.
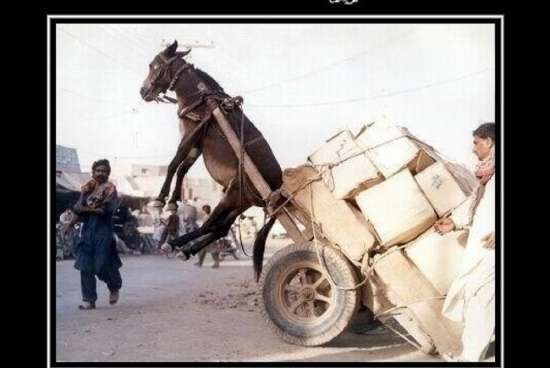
x=440 y=188
x=355 y=171
x=405 y=285
x=438 y=257
x=387 y=147
x=397 y=209
x=340 y=222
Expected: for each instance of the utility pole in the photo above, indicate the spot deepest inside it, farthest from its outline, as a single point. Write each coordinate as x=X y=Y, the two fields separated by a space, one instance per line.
x=190 y=45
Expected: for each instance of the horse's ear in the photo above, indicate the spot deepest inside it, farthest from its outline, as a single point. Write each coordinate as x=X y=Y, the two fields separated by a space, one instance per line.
x=171 y=50
x=183 y=53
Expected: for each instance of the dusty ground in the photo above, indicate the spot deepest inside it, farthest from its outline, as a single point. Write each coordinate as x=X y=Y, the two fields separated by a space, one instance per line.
x=174 y=311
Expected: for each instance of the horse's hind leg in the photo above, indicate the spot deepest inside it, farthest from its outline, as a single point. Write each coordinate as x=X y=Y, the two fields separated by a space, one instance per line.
x=215 y=232
x=220 y=215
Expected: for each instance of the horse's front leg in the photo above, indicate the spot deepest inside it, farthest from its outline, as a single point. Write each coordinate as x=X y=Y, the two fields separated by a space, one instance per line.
x=188 y=142
x=182 y=170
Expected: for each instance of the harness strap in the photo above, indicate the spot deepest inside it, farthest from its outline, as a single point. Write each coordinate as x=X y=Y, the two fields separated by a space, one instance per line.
x=184 y=111
x=174 y=80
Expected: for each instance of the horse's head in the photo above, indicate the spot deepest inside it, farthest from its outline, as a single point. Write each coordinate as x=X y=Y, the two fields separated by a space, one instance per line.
x=161 y=72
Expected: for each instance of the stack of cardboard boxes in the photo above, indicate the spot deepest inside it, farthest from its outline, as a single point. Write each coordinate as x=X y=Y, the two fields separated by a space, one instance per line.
x=384 y=188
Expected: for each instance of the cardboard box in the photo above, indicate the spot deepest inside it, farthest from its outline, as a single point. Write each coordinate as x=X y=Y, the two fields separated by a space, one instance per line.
x=438 y=256
x=397 y=209
x=388 y=148
x=406 y=286
x=354 y=171
x=375 y=297
x=440 y=187
x=340 y=222
x=463 y=176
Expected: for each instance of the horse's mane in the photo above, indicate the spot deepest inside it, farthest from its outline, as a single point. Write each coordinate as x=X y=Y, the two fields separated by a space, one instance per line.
x=211 y=82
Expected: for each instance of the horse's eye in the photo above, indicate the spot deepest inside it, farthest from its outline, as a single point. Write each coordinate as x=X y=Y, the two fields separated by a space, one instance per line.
x=156 y=66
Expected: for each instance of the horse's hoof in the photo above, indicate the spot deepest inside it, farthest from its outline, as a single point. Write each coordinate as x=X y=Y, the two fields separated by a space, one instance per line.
x=181 y=255
x=156 y=204
x=171 y=207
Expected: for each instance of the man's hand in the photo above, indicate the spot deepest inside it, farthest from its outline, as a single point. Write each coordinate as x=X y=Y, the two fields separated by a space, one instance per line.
x=444 y=225
x=77 y=208
x=489 y=241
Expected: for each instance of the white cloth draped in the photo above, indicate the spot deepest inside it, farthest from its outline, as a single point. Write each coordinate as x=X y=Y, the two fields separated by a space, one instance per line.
x=471 y=297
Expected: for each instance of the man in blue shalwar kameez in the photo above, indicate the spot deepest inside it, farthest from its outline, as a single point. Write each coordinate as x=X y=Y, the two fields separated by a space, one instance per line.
x=96 y=253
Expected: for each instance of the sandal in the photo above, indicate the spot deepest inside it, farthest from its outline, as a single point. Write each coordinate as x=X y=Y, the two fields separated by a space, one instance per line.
x=87 y=305
x=113 y=297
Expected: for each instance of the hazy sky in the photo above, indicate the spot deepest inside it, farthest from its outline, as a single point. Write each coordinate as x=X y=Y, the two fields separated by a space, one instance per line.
x=301 y=83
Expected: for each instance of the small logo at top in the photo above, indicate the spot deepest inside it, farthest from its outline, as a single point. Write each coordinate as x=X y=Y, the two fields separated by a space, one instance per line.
x=345 y=2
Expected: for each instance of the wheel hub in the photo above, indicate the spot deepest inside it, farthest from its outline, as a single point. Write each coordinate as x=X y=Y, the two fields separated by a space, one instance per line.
x=308 y=294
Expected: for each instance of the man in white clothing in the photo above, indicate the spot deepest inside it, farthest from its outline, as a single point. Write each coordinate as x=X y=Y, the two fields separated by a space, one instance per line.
x=471 y=297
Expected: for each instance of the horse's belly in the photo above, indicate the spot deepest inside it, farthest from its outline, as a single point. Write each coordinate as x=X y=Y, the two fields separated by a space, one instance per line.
x=220 y=161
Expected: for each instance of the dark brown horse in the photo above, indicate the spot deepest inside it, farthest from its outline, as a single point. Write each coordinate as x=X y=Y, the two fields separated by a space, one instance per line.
x=197 y=95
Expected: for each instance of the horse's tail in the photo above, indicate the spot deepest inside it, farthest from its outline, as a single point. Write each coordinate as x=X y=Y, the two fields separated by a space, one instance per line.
x=259 y=247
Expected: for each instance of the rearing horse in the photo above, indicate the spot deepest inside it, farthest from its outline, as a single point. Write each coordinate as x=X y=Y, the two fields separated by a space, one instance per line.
x=197 y=96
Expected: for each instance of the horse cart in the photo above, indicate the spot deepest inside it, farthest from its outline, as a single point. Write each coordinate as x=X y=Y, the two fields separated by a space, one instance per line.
x=362 y=241
x=314 y=288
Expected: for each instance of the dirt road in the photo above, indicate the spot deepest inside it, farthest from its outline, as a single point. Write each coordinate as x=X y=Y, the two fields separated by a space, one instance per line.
x=171 y=310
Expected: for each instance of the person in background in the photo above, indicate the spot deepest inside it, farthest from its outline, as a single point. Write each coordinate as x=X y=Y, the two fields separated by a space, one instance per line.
x=188 y=217
x=213 y=248
x=68 y=233
x=66 y=217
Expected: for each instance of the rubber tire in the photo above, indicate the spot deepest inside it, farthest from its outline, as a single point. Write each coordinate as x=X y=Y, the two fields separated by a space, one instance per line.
x=346 y=302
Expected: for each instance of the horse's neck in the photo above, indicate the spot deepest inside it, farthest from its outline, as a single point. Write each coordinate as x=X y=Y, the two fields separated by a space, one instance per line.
x=183 y=99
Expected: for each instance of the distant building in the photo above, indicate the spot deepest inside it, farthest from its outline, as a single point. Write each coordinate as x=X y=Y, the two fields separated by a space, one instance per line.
x=148 y=170
x=146 y=180
x=66 y=160
x=205 y=189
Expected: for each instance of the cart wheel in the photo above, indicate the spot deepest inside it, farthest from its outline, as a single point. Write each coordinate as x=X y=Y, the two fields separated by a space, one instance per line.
x=299 y=303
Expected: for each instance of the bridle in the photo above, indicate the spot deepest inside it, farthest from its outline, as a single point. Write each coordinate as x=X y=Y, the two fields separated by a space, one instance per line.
x=163 y=75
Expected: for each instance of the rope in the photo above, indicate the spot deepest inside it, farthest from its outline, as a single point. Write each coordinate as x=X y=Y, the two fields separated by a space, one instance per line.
x=320 y=258
x=241 y=180
x=322 y=168
x=331 y=165
x=390 y=312
x=403 y=336
x=392 y=309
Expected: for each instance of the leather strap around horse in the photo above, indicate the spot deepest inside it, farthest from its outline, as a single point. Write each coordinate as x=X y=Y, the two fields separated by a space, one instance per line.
x=176 y=76
x=189 y=108
x=203 y=96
